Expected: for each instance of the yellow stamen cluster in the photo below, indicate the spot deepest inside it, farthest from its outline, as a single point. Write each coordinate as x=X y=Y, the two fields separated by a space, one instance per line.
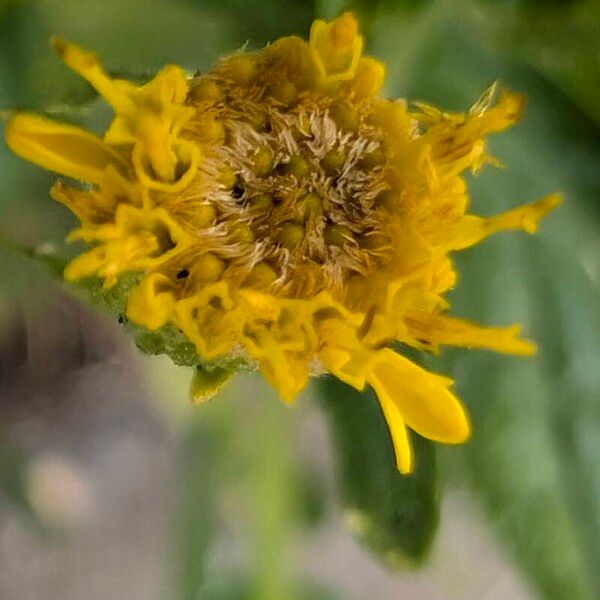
x=279 y=209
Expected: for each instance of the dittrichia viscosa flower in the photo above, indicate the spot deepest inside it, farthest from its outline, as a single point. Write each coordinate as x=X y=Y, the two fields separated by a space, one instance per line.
x=279 y=209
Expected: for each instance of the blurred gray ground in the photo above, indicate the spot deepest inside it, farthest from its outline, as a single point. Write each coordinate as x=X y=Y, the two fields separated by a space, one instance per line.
x=104 y=465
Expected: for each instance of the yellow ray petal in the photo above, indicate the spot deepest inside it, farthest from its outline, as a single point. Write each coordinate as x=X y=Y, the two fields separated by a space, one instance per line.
x=369 y=77
x=65 y=149
x=152 y=302
x=402 y=446
x=343 y=353
x=336 y=47
x=86 y=64
x=88 y=206
x=210 y=319
x=493 y=116
x=149 y=116
x=422 y=398
x=109 y=260
x=285 y=372
x=470 y=230
x=441 y=329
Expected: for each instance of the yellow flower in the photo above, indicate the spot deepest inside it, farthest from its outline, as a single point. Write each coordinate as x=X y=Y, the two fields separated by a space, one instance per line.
x=279 y=209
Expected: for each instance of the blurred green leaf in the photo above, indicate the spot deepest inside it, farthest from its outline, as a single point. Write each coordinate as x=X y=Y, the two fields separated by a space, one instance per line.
x=195 y=518
x=272 y=492
x=526 y=457
x=259 y=23
x=535 y=421
x=311 y=501
x=238 y=462
x=237 y=587
x=365 y=10
x=569 y=336
x=13 y=480
x=561 y=40
x=394 y=515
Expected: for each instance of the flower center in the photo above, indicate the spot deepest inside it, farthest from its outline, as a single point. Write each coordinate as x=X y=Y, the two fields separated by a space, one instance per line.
x=294 y=191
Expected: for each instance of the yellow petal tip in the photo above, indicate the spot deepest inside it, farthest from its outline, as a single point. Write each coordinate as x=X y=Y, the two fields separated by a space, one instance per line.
x=524 y=347
x=463 y=430
x=536 y=211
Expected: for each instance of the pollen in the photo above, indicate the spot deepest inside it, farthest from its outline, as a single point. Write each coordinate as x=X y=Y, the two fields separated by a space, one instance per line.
x=280 y=209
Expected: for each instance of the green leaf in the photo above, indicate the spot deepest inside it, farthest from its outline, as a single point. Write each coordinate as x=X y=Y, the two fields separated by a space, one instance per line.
x=394 y=515
x=535 y=421
x=238 y=587
x=206 y=383
x=310 y=487
x=195 y=518
x=568 y=331
x=524 y=458
x=13 y=481
x=558 y=39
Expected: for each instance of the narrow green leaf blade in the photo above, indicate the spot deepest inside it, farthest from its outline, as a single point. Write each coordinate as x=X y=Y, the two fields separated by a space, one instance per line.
x=523 y=458
x=195 y=518
x=558 y=39
x=13 y=481
x=394 y=515
x=535 y=421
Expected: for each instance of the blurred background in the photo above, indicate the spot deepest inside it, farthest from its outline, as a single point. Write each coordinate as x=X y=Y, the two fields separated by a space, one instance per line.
x=113 y=486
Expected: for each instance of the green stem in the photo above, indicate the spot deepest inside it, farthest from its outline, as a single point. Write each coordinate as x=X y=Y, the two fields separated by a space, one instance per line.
x=273 y=495
x=194 y=519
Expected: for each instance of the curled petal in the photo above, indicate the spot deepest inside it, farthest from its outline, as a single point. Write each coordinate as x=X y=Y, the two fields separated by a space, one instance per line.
x=336 y=47
x=183 y=156
x=149 y=116
x=152 y=302
x=210 y=320
x=369 y=77
x=470 y=229
x=343 y=353
x=287 y=373
x=399 y=434
x=441 y=329
x=113 y=258
x=422 y=399
x=340 y=363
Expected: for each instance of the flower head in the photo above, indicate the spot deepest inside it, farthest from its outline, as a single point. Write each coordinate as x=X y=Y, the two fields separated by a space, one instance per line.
x=278 y=208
